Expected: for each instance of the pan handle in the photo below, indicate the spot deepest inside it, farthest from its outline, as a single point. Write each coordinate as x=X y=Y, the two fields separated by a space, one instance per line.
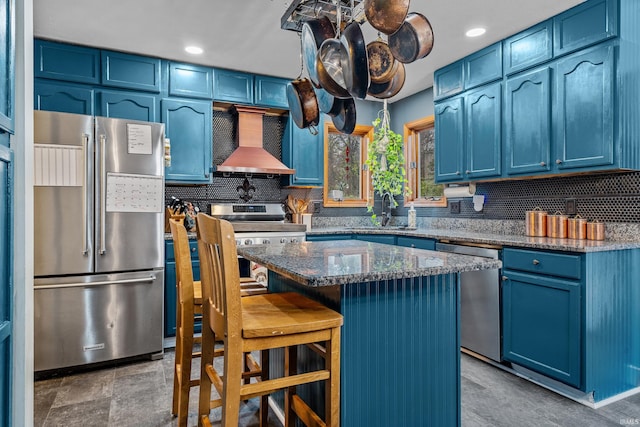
x=313 y=130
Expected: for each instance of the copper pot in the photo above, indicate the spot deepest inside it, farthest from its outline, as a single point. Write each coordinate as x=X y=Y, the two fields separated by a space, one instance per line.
x=382 y=64
x=386 y=16
x=303 y=105
x=595 y=230
x=390 y=88
x=577 y=228
x=414 y=39
x=557 y=225
x=536 y=223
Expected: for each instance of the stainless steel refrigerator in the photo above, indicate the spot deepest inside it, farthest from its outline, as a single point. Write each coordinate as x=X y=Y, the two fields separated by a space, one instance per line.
x=99 y=239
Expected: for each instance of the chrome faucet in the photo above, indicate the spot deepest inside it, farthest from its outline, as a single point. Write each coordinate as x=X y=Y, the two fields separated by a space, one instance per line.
x=386 y=216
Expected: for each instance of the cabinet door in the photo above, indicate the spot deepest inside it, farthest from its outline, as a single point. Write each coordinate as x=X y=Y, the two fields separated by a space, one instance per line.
x=376 y=238
x=63 y=98
x=528 y=48
x=483 y=66
x=130 y=71
x=271 y=92
x=188 y=124
x=584 y=122
x=483 y=112
x=193 y=81
x=304 y=152
x=231 y=86
x=6 y=283
x=541 y=325
x=7 y=66
x=585 y=24
x=66 y=62
x=527 y=122
x=449 y=146
x=416 y=242
x=447 y=81
x=127 y=105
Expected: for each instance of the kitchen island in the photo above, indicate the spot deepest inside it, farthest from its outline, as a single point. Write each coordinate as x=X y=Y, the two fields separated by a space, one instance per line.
x=400 y=359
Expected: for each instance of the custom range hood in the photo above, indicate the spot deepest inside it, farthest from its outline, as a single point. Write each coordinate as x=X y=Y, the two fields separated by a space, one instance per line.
x=250 y=157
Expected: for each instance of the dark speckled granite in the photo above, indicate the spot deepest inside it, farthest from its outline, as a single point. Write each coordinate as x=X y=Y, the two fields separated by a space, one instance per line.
x=341 y=262
x=569 y=245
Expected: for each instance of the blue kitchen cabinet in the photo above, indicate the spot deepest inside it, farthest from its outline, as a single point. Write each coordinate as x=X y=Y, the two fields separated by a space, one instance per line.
x=449 y=144
x=448 y=81
x=416 y=242
x=325 y=237
x=585 y=109
x=271 y=92
x=66 y=62
x=377 y=238
x=6 y=282
x=192 y=81
x=188 y=125
x=7 y=67
x=170 y=295
x=528 y=48
x=128 y=71
x=63 y=97
x=304 y=152
x=527 y=122
x=232 y=86
x=586 y=24
x=483 y=66
x=483 y=139
x=127 y=105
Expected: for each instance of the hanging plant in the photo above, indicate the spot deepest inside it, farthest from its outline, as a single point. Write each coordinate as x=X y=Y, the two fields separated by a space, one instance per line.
x=385 y=160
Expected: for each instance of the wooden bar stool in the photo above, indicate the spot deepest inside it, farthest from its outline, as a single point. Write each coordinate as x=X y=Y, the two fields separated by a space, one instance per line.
x=259 y=322
x=189 y=308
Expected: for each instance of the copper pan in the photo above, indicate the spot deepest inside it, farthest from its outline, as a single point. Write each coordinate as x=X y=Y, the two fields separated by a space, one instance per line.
x=303 y=105
x=414 y=39
x=382 y=64
x=386 y=16
x=390 y=88
x=313 y=33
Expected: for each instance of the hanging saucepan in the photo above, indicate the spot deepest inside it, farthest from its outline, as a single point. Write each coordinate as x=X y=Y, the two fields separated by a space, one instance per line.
x=327 y=103
x=303 y=105
x=390 y=88
x=355 y=65
x=414 y=39
x=330 y=66
x=345 y=120
x=314 y=32
x=386 y=16
x=382 y=64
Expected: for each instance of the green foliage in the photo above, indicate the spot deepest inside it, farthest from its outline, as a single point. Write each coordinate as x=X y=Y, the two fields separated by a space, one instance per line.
x=385 y=160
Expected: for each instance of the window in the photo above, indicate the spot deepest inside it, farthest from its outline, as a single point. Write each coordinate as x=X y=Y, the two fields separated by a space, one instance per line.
x=419 y=137
x=346 y=184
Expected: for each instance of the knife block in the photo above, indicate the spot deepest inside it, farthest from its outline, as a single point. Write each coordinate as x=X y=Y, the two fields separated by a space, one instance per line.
x=168 y=214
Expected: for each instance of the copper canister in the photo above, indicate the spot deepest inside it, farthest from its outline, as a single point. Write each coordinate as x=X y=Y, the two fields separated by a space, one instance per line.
x=557 y=225
x=536 y=223
x=577 y=228
x=595 y=230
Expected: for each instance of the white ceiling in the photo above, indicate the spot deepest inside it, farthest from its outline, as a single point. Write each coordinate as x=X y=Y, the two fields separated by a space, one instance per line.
x=245 y=34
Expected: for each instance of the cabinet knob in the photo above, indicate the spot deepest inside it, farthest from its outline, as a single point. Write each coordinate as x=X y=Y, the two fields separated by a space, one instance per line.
x=505 y=278
x=558 y=162
x=413 y=245
x=536 y=262
x=543 y=164
x=193 y=249
x=467 y=172
x=206 y=175
x=457 y=172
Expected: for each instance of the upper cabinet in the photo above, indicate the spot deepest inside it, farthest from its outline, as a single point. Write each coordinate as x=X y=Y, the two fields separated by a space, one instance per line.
x=192 y=81
x=232 y=86
x=569 y=95
x=63 y=97
x=303 y=151
x=588 y=23
x=66 y=62
x=7 y=67
x=127 y=105
x=271 y=92
x=130 y=71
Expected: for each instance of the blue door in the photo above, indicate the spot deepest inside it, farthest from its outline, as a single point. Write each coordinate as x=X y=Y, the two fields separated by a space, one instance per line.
x=449 y=127
x=62 y=97
x=484 y=132
x=6 y=281
x=127 y=105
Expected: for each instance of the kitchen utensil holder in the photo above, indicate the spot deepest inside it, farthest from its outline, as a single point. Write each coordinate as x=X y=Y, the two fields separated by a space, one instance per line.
x=595 y=230
x=577 y=228
x=536 y=223
x=557 y=225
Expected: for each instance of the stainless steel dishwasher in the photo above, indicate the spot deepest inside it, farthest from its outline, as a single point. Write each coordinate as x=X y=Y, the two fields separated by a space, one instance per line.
x=479 y=302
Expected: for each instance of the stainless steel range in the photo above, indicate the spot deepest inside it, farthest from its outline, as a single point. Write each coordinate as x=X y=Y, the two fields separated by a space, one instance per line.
x=258 y=224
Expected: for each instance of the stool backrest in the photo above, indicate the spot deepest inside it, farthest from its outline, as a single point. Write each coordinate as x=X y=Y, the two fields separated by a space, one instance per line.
x=184 y=273
x=220 y=276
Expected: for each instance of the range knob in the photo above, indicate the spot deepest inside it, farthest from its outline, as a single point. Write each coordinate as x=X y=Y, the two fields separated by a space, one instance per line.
x=266 y=241
x=283 y=240
x=248 y=242
x=238 y=242
x=294 y=240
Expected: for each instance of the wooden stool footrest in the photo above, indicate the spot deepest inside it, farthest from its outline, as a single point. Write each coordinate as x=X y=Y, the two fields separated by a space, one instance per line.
x=249 y=391
x=305 y=413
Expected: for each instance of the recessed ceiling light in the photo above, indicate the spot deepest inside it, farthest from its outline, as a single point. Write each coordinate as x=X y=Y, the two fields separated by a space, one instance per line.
x=195 y=50
x=475 y=32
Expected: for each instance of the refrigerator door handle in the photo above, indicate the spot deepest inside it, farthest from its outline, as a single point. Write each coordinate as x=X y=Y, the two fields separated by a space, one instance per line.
x=103 y=195
x=90 y=284
x=85 y=208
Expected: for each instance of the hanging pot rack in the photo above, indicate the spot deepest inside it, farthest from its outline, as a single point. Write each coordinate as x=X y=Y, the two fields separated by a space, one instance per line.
x=303 y=10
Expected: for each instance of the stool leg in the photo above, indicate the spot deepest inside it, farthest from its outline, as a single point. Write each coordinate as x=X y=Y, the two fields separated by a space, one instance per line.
x=332 y=385
x=208 y=347
x=290 y=368
x=232 y=383
x=264 y=400
x=176 y=363
x=185 y=380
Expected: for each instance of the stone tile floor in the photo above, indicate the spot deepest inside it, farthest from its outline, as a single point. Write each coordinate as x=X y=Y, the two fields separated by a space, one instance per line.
x=139 y=395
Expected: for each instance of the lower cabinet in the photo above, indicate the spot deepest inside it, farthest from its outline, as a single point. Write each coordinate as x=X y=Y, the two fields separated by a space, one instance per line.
x=377 y=238
x=170 y=296
x=416 y=242
x=541 y=324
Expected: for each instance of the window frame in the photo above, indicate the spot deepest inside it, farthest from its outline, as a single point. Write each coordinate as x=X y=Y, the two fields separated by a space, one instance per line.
x=411 y=129
x=366 y=132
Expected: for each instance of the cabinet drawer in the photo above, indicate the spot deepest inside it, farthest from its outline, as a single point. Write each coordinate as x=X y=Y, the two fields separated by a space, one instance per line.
x=552 y=263
x=168 y=251
x=583 y=25
x=416 y=242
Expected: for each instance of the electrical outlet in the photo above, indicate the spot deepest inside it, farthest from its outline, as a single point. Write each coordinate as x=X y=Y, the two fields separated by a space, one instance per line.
x=455 y=207
x=570 y=207
x=317 y=205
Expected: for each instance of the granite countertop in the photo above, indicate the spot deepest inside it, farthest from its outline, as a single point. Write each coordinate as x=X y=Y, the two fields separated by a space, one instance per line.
x=355 y=261
x=569 y=245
